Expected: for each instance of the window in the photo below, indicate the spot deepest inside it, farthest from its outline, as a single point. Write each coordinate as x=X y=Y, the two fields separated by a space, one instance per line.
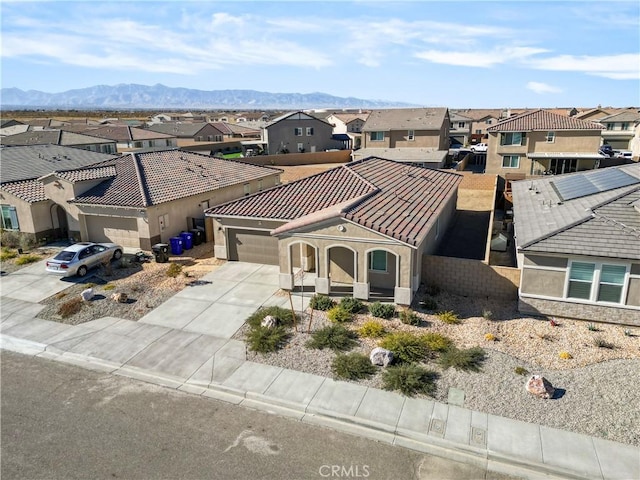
x=551 y=137
x=580 y=280
x=609 y=126
x=488 y=121
x=301 y=147
x=376 y=136
x=199 y=138
x=297 y=131
x=137 y=144
x=210 y=138
x=411 y=135
x=218 y=138
x=309 y=131
x=378 y=261
x=260 y=185
x=168 y=142
x=511 y=138
x=247 y=188
x=609 y=281
x=460 y=124
x=625 y=126
x=9 y=218
x=511 y=161
x=478 y=132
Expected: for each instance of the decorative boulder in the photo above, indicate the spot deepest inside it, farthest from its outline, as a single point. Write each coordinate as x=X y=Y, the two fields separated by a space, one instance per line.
x=381 y=357
x=87 y=294
x=540 y=387
x=269 y=321
x=119 y=297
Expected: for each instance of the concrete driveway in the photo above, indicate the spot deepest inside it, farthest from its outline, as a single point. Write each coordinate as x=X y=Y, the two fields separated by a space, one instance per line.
x=33 y=284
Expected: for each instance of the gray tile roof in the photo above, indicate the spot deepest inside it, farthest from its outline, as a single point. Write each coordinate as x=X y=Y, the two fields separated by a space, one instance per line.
x=602 y=224
x=53 y=137
x=542 y=120
x=405 y=119
x=121 y=133
x=630 y=116
x=398 y=200
x=178 y=129
x=151 y=178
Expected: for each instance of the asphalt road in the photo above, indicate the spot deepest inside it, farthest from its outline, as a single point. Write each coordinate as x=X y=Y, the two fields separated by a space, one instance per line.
x=63 y=422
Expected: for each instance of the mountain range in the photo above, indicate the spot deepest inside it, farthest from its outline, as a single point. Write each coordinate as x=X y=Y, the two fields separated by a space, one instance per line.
x=161 y=96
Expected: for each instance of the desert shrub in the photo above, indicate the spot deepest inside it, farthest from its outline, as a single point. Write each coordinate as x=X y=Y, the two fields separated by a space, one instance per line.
x=409 y=379
x=436 y=342
x=29 y=258
x=282 y=315
x=429 y=303
x=521 y=371
x=125 y=262
x=27 y=242
x=602 y=343
x=338 y=314
x=382 y=310
x=407 y=347
x=487 y=314
x=174 y=270
x=60 y=295
x=409 y=317
x=7 y=254
x=490 y=337
x=372 y=329
x=263 y=340
x=352 y=366
x=321 y=302
x=448 y=317
x=469 y=360
x=565 y=355
x=334 y=337
x=70 y=307
x=351 y=304
x=592 y=328
x=9 y=238
x=109 y=286
x=432 y=290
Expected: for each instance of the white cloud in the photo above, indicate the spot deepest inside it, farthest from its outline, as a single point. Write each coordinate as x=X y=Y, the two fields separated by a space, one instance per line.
x=624 y=66
x=479 y=58
x=541 y=88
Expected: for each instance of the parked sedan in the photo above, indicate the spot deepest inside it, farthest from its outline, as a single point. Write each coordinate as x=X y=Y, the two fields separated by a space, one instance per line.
x=77 y=259
x=479 y=148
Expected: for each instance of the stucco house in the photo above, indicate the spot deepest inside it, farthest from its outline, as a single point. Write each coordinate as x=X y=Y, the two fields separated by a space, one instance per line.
x=187 y=133
x=620 y=129
x=140 y=199
x=577 y=242
x=298 y=132
x=62 y=138
x=538 y=142
x=363 y=226
x=133 y=138
x=460 y=128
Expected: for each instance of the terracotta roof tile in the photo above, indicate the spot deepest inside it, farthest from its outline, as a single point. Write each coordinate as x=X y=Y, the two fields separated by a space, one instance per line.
x=88 y=173
x=542 y=120
x=28 y=190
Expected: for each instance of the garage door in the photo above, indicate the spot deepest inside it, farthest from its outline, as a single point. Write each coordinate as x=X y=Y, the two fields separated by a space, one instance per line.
x=123 y=231
x=252 y=246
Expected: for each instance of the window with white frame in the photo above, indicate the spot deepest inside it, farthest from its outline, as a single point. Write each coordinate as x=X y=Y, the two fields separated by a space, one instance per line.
x=378 y=261
x=596 y=282
x=478 y=132
x=309 y=131
x=550 y=137
x=511 y=161
x=460 y=124
x=297 y=131
x=10 y=218
x=488 y=121
x=625 y=126
x=376 y=136
x=609 y=126
x=512 y=138
x=411 y=135
x=301 y=147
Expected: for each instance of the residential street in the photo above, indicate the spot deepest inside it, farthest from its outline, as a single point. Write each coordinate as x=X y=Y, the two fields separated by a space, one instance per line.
x=60 y=421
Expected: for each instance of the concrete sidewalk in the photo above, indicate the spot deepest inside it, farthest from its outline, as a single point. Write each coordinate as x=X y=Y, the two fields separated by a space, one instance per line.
x=215 y=366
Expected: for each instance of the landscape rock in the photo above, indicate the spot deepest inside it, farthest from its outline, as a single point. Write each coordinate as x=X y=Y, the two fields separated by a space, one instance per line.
x=381 y=357
x=269 y=322
x=87 y=294
x=540 y=387
x=120 y=297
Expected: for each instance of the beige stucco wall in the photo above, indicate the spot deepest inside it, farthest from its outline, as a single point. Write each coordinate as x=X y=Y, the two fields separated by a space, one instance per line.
x=633 y=294
x=543 y=282
x=422 y=139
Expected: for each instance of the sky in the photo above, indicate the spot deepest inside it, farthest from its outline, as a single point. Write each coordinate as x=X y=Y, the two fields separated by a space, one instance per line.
x=476 y=54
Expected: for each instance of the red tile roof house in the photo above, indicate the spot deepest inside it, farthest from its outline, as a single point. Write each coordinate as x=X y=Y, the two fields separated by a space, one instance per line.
x=364 y=225
x=140 y=199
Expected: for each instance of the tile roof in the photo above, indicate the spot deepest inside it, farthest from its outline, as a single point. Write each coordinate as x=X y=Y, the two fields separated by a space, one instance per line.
x=123 y=133
x=178 y=129
x=398 y=200
x=405 y=119
x=542 y=120
x=150 y=178
x=93 y=173
x=408 y=154
x=630 y=116
x=602 y=224
x=28 y=190
x=53 y=137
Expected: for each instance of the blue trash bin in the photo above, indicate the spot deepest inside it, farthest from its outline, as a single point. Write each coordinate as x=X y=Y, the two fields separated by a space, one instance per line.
x=176 y=245
x=187 y=240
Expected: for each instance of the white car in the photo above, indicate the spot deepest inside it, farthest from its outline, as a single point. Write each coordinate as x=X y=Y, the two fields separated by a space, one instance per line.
x=78 y=258
x=479 y=148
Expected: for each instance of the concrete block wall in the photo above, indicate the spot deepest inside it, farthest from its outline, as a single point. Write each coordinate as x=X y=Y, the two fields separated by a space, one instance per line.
x=472 y=278
x=579 y=311
x=292 y=159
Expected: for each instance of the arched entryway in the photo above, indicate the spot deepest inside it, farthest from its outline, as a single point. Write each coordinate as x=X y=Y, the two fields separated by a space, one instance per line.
x=303 y=265
x=342 y=268
x=382 y=273
x=59 y=222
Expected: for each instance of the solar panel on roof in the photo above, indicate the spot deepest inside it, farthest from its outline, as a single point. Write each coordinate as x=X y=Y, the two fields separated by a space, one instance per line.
x=577 y=186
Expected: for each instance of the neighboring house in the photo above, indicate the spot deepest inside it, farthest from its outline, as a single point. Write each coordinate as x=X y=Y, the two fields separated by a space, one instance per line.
x=620 y=129
x=10 y=122
x=60 y=137
x=347 y=122
x=460 y=128
x=412 y=135
x=141 y=199
x=594 y=114
x=25 y=206
x=541 y=142
x=188 y=133
x=363 y=226
x=14 y=129
x=481 y=119
x=578 y=244
x=134 y=138
x=299 y=132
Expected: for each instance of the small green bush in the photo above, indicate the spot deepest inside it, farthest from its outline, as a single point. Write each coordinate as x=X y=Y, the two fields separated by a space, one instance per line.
x=338 y=314
x=282 y=315
x=29 y=258
x=409 y=380
x=592 y=327
x=602 y=343
x=487 y=314
x=521 y=371
x=409 y=317
x=372 y=329
x=352 y=305
x=70 y=307
x=382 y=310
x=432 y=290
x=109 y=286
x=407 y=347
x=436 y=342
x=263 y=340
x=352 y=366
x=429 y=303
x=448 y=317
x=469 y=360
x=334 y=337
x=7 y=254
x=174 y=270
x=321 y=302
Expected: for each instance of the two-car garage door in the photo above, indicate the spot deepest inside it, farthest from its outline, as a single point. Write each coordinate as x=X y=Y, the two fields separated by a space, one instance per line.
x=253 y=246
x=123 y=231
